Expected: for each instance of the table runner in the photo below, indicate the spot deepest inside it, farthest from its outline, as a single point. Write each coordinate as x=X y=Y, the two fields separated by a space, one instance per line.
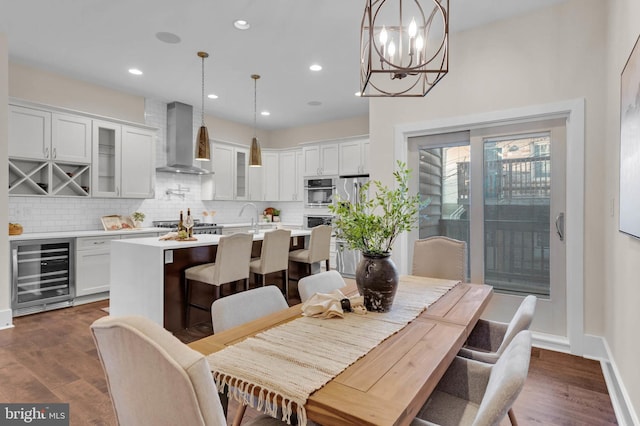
x=291 y=361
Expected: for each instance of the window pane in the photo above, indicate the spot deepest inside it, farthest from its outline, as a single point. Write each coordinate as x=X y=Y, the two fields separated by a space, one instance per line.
x=517 y=190
x=444 y=180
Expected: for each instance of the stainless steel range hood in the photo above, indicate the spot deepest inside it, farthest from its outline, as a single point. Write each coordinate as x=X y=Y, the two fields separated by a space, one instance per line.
x=180 y=148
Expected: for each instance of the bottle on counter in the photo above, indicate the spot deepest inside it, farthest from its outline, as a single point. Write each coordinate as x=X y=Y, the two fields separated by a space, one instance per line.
x=189 y=223
x=180 y=223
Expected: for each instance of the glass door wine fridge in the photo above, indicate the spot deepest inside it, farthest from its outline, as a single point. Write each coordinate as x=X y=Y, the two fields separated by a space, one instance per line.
x=42 y=275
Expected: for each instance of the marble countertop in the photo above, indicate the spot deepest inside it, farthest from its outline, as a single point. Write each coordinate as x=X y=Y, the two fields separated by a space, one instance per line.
x=78 y=234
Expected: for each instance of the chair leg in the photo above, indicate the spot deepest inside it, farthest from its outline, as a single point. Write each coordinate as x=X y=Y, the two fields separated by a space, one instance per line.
x=216 y=292
x=285 y=284
x=187 y=302
x=237 y=419
x=246 y=284
x=263 y=280
x=512 y=417
x=327 y=263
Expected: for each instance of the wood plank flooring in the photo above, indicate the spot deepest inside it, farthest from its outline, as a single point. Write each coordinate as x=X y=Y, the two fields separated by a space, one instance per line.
x=51 y=357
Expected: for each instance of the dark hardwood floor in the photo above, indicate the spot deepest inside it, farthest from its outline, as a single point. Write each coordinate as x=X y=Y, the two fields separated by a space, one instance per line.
x=50 y=357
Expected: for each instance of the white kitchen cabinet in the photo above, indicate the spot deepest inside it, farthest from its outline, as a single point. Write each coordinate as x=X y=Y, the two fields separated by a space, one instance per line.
x=43 y=135
x=291 y=175
x=123 y=161
x=271 y=176
x=138 y=163
x=321 y=159
x=93 y=265
x=256 y=183
x=230 y=181
x=93 y=262
x=354 y=157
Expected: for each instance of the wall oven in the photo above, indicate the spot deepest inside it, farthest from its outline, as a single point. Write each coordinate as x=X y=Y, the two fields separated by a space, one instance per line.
x=313 y=220
x=319 y=192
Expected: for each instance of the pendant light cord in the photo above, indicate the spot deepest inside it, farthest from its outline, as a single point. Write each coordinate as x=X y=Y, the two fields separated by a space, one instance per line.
x=202 y=106
x=255 y=104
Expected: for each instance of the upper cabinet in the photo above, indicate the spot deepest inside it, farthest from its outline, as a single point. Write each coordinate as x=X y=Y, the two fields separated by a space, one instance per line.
x=270 y=177
x=43 y=135
x=354 y=157
x=230 y=178
x=291 y=175
x=123 y=161
x=57 y=152
x=321 y=159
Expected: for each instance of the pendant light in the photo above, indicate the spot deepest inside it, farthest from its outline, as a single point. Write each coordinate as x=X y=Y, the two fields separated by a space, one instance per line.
x=203 y=150
x=255 y=155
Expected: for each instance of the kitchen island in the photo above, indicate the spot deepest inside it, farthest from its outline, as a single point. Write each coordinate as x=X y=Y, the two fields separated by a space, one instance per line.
x=147 y=275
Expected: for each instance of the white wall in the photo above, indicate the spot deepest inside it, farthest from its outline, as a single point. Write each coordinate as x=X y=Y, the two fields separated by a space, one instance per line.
x=5 y=288
x=622 y=253
x=285 y=138
x=551 y=55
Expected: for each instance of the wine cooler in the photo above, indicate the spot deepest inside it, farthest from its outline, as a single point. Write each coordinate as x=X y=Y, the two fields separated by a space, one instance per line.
x=42 y=275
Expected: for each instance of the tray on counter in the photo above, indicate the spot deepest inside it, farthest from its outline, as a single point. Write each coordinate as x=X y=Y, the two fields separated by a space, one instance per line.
x=117 y=222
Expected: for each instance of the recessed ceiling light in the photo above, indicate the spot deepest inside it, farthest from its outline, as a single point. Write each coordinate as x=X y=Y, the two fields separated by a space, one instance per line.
x=241 y=24
x=135 y=71
x=212 y=96
x=314 y=103
x=358 y=94
x=168 y=37
x=315 y=67
x=265 y=113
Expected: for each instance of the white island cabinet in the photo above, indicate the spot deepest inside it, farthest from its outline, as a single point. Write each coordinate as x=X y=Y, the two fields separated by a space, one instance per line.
x=140 y=285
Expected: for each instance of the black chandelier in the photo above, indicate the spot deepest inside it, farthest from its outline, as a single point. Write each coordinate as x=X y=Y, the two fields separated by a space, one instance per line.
x=403 y=46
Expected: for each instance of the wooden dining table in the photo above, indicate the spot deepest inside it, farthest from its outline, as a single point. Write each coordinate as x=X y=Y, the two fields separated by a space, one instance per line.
x=388 y=385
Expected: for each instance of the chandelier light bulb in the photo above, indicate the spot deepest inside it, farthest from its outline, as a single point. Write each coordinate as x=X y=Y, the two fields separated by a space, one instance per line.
x=383 y=36
x=392 y=50
x=419 y=43
x=413 y=28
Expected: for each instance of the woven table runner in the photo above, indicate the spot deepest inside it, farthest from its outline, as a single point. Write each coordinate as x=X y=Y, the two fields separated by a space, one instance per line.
x=291 y=361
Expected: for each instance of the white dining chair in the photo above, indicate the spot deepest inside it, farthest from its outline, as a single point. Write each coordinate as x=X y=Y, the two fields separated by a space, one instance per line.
x=240 y=308
x=440 y=257
x=274 y=257
x=154 y=379
x=476 y=393
x=232 y=264
x=324 y=282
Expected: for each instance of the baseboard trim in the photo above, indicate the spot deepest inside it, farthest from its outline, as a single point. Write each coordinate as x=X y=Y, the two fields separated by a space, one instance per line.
x=622 y=405
x=6 y=319
x=550 y=342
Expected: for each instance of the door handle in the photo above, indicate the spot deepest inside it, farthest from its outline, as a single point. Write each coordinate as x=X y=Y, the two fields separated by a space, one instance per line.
x=560 y=225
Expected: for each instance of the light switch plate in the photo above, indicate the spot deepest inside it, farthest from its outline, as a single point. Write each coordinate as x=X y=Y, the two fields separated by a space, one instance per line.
x=168 y=256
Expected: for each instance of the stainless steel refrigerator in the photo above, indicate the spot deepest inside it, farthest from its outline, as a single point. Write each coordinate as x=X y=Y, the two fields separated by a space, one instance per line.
x=348 y=189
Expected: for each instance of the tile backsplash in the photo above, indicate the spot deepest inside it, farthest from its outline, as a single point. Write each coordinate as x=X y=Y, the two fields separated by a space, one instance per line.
x=174 y=192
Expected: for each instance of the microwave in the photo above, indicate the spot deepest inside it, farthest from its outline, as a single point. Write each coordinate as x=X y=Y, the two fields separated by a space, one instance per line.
x=319 y=192
x=311 y=221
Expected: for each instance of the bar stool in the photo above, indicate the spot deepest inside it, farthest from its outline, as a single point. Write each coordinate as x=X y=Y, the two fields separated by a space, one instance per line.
x=231 y=264
x=317 y=251
x=274 y=257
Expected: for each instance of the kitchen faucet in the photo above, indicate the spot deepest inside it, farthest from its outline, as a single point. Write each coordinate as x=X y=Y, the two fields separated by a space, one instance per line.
x=254 y=221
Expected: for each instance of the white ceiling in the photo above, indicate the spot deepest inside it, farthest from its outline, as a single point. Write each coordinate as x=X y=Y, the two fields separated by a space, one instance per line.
x=99 y=40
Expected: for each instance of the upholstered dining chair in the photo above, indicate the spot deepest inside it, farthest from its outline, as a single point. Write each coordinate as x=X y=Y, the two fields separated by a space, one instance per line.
x=476 y=393
x=274 y=257
x=317 y=251
x=240 y=308
x=231 y=265
x=154 y=379
x=324 y=282
x=440 y=257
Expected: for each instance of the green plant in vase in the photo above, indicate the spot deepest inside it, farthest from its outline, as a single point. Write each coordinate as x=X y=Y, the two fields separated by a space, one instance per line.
x=371 y=224
x=138 y=218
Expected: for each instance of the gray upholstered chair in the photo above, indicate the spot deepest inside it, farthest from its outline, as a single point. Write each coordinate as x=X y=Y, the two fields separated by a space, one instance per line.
x=440 y=257
x=476 y=393
x=246 y=306
x=240 y=308
x=317 y=251
x=231 y=265
x=324 y=282
x=489 y=339
x=274 y=257
x=154 y=379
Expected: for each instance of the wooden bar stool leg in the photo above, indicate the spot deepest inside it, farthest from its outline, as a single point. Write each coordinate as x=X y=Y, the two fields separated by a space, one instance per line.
x=187 y=302
x=512 y=417
x=246 y=284
x=285 y=284
x=327 y=264
x=237 y=419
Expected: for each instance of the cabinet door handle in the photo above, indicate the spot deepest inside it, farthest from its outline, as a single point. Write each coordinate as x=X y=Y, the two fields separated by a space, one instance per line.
x=46 y=152
x=117 y=191
x=55 y=154
x=98 y=242
x=560 y=225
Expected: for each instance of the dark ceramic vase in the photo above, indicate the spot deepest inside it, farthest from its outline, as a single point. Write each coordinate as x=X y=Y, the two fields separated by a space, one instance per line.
x=377 y=280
